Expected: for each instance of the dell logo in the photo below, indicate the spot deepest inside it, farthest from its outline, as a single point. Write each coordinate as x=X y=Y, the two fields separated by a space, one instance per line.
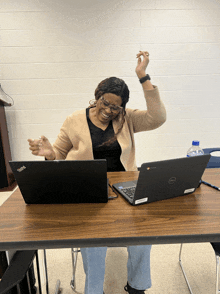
x=21 y=168
x=172 y=180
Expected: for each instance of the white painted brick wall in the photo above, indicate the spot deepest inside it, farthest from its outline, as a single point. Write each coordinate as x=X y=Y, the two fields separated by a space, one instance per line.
x=54 y=53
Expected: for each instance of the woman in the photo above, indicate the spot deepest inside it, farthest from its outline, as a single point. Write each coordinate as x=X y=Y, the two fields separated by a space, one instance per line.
x=106 y=130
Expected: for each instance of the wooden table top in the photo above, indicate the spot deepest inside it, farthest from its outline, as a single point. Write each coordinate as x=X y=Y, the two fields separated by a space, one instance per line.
x=190 y=218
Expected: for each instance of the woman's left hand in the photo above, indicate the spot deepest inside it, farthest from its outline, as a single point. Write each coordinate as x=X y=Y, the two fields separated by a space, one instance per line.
x=142 y=63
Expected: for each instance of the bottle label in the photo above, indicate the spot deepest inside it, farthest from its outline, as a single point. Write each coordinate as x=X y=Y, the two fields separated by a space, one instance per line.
x=194 y=154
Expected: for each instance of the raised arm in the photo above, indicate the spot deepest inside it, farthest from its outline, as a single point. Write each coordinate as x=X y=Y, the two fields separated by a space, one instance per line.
x=155 y=115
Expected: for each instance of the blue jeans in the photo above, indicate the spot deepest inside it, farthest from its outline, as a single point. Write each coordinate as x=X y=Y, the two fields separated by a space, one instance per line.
x=138 y=268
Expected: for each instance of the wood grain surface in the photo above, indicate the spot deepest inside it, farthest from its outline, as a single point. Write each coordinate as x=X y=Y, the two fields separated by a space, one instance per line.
x=190 y=218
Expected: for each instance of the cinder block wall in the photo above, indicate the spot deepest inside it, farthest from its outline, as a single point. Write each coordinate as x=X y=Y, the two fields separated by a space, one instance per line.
x=54 y=53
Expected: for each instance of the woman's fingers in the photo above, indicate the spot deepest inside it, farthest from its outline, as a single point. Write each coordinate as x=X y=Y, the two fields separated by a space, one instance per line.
x=35 y=152
x=40 y=146
x=143 y=53
x=139 y=60
x=35 y=145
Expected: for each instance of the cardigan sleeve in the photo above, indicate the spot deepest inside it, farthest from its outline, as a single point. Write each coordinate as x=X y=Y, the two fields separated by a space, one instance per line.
x=63 y=143
x=152 y=118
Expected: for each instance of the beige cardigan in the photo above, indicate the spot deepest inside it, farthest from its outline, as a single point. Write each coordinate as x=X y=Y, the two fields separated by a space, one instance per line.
x=74 y=140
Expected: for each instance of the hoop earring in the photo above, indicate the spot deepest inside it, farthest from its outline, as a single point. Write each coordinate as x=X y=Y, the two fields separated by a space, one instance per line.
x=92 y=103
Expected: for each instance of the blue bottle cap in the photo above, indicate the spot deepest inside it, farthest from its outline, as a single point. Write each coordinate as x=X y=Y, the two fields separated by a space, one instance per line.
x=195 y=143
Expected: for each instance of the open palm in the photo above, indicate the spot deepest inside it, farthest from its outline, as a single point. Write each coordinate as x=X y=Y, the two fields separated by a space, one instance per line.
x=42 y=147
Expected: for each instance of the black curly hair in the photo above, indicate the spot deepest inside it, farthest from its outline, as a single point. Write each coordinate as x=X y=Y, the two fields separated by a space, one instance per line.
x=115 y=86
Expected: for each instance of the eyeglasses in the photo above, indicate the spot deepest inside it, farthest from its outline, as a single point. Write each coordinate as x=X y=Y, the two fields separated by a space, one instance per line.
x=106 y=104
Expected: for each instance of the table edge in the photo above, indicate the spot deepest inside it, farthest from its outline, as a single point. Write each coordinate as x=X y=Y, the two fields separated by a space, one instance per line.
x=109 y=242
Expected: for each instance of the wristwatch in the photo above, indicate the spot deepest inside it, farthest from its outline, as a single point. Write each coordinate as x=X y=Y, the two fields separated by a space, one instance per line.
x=142 y=80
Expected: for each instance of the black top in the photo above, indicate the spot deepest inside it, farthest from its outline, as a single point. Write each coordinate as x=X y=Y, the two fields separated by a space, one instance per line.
x=111 y=153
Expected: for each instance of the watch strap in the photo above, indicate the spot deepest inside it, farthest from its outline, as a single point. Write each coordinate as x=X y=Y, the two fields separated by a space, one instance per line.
x=142 y=80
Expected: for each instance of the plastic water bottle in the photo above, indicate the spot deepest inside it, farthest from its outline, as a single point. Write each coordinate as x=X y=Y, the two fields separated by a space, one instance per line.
x=195 y=149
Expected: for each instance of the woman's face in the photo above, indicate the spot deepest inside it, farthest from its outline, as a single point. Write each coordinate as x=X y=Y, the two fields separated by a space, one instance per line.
x=108 y=107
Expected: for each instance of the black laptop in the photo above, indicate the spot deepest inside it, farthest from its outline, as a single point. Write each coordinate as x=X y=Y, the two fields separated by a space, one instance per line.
x=62 y=181
x=164 y=179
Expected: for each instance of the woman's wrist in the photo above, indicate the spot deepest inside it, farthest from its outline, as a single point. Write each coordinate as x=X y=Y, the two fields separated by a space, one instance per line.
x=146 y=84
x=52 y=156
x=144 y=79
x=141 y=74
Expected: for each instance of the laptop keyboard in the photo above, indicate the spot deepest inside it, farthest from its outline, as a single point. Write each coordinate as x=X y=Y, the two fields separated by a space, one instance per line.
x=129 y=191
